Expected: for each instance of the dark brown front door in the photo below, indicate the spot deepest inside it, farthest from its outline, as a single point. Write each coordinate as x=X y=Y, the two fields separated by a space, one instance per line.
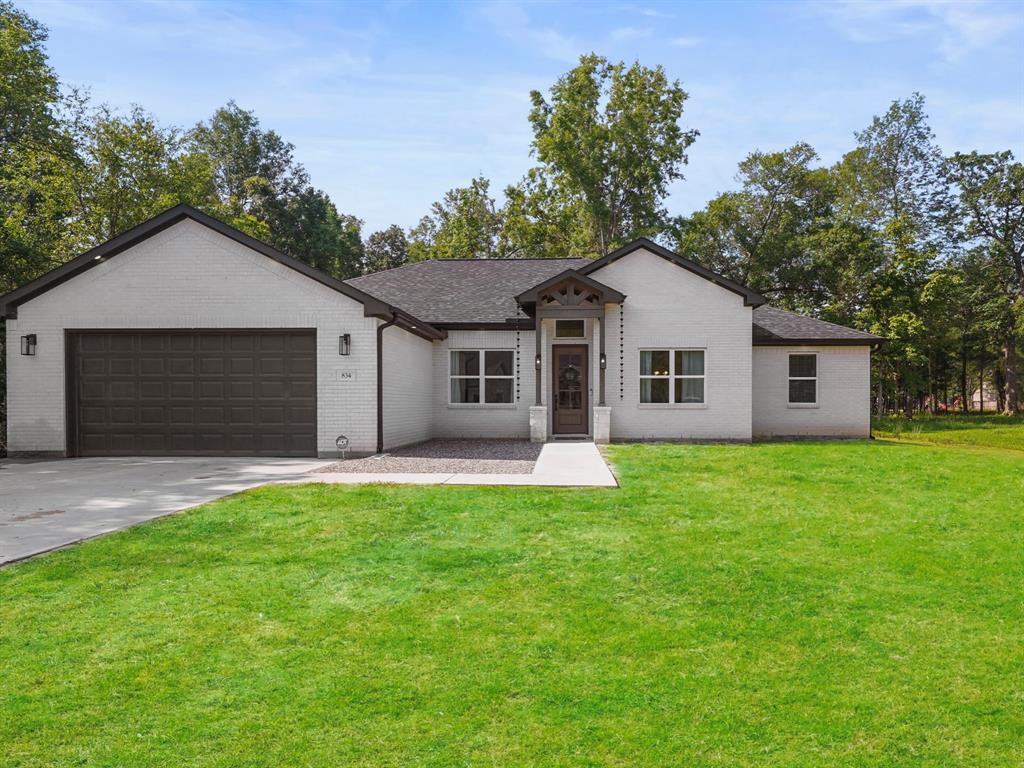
x=569 y=389
x=200 y=393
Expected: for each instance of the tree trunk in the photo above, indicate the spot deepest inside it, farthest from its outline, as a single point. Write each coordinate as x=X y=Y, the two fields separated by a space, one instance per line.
x=880 y=399
x=963 y=382
x=1012 y=381
x=981 y=389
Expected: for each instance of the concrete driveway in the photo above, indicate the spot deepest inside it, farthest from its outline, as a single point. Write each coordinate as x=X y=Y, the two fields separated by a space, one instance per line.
x=50 y=504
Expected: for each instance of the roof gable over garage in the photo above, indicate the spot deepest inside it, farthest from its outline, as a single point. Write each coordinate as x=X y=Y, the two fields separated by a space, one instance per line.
x=372 y=306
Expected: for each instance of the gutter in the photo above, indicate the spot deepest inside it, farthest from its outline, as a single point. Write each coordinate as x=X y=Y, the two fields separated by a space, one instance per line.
x=380 y=380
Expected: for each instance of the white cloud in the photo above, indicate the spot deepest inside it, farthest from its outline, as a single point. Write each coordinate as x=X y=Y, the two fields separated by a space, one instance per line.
x=685 y=42
x=958 y=28
x=511 y=21
x=631 y=33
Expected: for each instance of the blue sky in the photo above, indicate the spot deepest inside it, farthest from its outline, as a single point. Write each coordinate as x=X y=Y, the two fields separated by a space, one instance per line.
x=390 y=104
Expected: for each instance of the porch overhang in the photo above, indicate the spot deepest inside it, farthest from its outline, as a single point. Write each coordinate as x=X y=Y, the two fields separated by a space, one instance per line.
x=569 y=294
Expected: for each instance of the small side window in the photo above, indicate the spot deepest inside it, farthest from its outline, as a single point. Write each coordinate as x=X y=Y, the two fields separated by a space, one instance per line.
x=803 y=379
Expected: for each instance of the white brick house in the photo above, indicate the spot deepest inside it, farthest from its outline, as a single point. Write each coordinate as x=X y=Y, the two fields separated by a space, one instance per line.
x=185 y=336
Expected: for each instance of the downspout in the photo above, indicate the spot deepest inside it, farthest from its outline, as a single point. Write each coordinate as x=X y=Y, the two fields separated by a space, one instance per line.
x=380 y=381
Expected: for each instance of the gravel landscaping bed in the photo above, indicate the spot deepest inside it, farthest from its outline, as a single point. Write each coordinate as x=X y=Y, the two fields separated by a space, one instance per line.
x=499 y=457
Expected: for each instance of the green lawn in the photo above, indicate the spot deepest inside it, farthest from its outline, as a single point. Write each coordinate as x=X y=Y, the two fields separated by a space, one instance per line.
x=831 y=604
x=992 y=430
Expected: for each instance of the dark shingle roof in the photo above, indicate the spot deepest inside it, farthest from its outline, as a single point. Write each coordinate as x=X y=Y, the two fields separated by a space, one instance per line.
x=777 y=326
x=461 y=290
x=454 y=291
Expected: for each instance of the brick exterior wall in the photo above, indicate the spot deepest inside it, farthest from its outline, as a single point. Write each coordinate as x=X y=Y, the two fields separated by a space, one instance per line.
x=490 y=421
x=844 y=394
x=189 y=276
x=669 y=307
x=408 y=388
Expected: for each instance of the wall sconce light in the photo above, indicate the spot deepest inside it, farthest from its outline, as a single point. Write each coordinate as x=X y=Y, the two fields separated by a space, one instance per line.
x=536 y=362
x=28 y=344
x=604 y=361
x=345 y=344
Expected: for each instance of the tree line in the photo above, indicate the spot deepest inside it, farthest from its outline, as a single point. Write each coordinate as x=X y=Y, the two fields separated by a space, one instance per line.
x=896 y=238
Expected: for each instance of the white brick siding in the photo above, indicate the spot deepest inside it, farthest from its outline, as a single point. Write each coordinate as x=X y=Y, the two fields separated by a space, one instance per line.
x=490 y=421
x=844 y=394
x=189 y=276
x=669 y=307
x=408 y=394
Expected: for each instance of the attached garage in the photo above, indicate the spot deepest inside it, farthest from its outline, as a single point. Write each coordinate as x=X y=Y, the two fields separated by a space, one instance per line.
x=194 y=393
x=186 y=337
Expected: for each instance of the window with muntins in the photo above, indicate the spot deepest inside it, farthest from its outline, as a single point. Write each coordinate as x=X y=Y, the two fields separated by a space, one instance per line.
x=482 y=376
x=803 y=379
x=672 y=376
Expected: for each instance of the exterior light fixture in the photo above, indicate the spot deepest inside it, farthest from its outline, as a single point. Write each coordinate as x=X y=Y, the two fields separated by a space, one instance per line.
x=345 y=344
x=604 y=361
x=536 y=362
x=28 y=344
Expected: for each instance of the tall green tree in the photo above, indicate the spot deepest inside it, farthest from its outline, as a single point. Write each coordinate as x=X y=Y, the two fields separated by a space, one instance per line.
x=464 y=224
x=129 y=169
x=33 y=151
x=385 y=249
x=609 y=140
x=766 y=234
x=987 y=208
x=889 y=185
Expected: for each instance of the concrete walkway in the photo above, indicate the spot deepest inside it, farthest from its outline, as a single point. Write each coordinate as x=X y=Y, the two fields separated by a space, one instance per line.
x=559 y=464
x=49 y=504
x=46 y=505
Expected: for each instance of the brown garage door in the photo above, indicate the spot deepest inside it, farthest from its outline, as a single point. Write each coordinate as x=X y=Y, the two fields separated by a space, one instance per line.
x=192 y=393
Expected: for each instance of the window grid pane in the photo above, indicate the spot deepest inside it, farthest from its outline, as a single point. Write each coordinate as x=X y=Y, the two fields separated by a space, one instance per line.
x=465 y=363
x=803 y=366
x=498 y=363
x=803 y=391
x=654 y=390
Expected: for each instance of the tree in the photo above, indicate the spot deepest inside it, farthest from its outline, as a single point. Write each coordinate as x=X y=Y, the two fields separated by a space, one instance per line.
x=609 y=141
x=261 y=189
x=129 y=169
x=252 y=167
x=31 y=145
x=464 y=224
x=385 y=249
x=764 y=235
x=988 y=208
x=889 y=185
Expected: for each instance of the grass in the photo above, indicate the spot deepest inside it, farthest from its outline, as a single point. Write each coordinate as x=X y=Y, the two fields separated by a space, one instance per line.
x=989 y=430
x=841 y=604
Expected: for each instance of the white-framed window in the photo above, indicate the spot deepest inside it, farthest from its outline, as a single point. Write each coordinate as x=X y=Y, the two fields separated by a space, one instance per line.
x=672 y=376
x=570 y=329
x=803 y=378
x=481 y=376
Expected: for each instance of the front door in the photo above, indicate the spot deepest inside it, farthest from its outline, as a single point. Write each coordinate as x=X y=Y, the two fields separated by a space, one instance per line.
x=570 y=389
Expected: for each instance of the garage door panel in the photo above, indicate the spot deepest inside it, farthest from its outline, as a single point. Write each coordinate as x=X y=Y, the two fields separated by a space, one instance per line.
x=194 y=393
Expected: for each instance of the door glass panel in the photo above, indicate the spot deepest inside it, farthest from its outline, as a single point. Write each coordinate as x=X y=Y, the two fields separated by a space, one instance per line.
x=570 y=382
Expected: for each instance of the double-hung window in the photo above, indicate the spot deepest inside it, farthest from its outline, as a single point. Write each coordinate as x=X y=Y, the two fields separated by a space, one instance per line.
x=803 y=379
x=673 y=376
x=481 y=376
